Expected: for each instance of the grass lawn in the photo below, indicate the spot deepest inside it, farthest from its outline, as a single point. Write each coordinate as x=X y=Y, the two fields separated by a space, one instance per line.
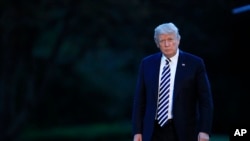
x=95 y=132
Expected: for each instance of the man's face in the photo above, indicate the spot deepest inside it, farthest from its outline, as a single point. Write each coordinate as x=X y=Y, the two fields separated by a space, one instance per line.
x=168 y=44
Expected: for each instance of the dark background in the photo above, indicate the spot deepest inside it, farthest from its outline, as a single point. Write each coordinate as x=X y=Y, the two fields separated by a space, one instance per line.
x=239 y=59
x=68 y=68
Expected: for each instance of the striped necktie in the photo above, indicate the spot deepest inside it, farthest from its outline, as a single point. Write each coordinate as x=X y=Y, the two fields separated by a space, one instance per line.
x=163 y=100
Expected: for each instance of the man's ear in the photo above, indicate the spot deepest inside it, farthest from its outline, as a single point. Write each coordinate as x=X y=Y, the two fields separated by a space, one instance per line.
x=157 y=45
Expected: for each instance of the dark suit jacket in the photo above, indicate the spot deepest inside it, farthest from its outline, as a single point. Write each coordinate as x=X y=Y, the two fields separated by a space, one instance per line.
x=192 y=98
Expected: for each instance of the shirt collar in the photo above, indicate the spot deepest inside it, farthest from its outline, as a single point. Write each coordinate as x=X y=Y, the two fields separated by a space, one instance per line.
x=172 y=59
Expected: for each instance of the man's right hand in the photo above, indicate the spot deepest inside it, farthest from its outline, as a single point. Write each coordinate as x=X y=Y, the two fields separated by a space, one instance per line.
x=138 y=137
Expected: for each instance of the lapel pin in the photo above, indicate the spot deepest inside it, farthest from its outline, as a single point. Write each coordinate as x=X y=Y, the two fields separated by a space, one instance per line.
x=183 y=64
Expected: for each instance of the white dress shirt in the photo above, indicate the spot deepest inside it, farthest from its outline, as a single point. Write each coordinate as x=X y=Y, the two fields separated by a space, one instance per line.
x=172 y=64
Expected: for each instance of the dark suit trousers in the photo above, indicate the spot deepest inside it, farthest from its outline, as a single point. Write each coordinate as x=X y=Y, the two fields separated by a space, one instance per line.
x=165 y=133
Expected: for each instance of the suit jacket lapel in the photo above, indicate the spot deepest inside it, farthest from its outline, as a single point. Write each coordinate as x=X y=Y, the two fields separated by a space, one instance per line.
x=155 y=71
x=179 y=73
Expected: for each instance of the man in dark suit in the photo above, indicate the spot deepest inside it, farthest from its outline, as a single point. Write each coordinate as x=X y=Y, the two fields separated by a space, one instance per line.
x=190 y=105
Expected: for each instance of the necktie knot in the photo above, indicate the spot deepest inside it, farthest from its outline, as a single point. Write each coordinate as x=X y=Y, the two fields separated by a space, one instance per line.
x=167 y=61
